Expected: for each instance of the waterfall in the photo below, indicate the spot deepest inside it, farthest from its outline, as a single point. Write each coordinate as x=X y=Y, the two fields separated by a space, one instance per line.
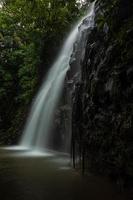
x=37 y=132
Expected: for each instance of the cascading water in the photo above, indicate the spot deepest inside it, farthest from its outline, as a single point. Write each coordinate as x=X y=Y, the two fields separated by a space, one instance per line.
x=36 y=134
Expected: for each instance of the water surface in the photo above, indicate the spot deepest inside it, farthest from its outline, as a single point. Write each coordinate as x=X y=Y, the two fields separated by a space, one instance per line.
x=49 y=176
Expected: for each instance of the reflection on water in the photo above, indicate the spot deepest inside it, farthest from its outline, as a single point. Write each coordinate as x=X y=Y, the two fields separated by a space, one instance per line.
x=47 y=176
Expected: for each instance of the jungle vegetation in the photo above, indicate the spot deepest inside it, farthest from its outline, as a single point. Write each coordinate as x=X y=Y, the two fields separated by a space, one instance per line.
x=31 y=34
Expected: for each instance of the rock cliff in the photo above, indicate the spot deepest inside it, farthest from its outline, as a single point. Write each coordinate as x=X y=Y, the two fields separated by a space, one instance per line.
x=102 y=119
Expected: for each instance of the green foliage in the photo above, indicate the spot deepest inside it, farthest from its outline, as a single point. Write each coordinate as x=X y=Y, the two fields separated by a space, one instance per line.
x=28 y=30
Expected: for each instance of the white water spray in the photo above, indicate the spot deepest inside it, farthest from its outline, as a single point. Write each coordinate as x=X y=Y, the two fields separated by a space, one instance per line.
x=37 y=133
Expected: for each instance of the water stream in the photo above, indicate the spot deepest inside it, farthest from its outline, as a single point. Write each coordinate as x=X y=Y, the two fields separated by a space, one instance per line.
x=37 y=131
x=27 y=172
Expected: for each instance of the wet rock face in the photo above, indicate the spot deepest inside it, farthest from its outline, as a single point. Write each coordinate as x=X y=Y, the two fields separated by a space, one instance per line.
x=103 y=98
x=61 y=138
x=78 y=54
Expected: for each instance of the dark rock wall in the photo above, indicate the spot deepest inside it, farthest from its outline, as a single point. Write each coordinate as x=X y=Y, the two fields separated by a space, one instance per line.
x=61 y=137
x=102 y=119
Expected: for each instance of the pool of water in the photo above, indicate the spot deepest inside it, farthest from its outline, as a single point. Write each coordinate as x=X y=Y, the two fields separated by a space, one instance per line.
x=27 y=175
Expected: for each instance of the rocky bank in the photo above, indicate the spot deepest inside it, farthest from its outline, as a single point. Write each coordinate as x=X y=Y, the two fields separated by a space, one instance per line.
x=102 y=114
